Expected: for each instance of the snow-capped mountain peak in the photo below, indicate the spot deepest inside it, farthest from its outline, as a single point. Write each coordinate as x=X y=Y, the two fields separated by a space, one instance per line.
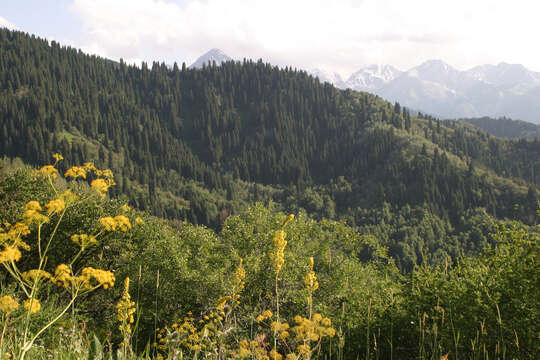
x=504 y=74
x=327 y=76
x=209 y=57
x=372 y=77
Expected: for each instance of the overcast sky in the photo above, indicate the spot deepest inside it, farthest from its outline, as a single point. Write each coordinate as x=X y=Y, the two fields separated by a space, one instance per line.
x=336 y=35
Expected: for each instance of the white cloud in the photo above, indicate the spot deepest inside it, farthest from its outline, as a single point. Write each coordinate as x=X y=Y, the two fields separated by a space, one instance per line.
x=339 y=35
x=5 y=23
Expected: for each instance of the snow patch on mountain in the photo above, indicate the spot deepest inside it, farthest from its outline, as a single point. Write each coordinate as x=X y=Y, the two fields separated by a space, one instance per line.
x=213 y=55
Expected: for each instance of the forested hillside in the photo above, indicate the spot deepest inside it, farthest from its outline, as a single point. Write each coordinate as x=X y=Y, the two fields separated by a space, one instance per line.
x=203 y=144
x=506 y=128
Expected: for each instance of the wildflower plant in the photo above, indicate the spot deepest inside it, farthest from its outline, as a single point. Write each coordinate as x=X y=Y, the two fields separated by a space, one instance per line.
x=125 y=309
x=209 y=336
x=298 y=339
x=28 y=235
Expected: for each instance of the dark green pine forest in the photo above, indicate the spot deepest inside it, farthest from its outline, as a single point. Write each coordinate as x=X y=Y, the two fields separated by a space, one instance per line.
x=202 y=144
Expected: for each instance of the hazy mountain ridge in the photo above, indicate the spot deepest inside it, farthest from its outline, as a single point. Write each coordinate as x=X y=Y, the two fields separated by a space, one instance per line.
x=487 y=90
x=506 y=128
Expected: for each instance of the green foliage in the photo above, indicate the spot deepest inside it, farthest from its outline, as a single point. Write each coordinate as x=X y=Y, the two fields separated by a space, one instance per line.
x=472 y=307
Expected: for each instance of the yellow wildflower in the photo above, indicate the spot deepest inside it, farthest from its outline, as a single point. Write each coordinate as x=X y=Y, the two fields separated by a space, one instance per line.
x=288 y=219
x=310 y=280
x=58 y=157
x=89 y=166
x=68 y=197
x=33 y=205
x=48 y=170
x=107 y=174
x=331 y=332
x=222 y=301
x=32 y=305
x=125 y=208
x=291 y=356
x=102 y=277
x=55 y=206
x=274 y=355
x=100 y=186
x=243 y=352
x=139 y=221
x=84 y=240
x=122 y=223
x=19 y=229
x=32 y=214
x=10 y=253
x=62 y=274
x=278 y=255
x=76 y=172
x=303 y=349
x=326 y=322
x=284 y=335
x=8 y=304
x=33 y=275
x=108 y=223
x=276 y=326
x=125 y=309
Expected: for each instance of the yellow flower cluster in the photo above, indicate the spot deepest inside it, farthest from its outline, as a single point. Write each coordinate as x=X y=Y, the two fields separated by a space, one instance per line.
x=222 y=301
x=55 y=206
x=119 y=222
x=310 y=280
x=101 y=186
x=102 y=277
x=185 y=333
x=8 y=304
x=288 y=220
x=68 y=197
x=32 y=213
x=84 y=240
x=274 y=355
x=10 y=254
x=278 y=255
x=252 y=349
x=307 y=330
x=35 y=275
x=18 y=229
x=76 y=172
x=89 y=279
x=57 y=157
x=62 y=275
x=267 y=314
x=12 y=238
x=48 y=171
x=32 y=305
x=125 y=309
x=278 y=327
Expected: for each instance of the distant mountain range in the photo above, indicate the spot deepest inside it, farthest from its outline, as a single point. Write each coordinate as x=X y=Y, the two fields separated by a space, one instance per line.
x=436 y=88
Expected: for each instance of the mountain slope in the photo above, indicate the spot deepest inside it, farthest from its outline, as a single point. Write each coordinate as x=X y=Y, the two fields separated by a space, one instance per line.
x=192 y=143
x=506 y=128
